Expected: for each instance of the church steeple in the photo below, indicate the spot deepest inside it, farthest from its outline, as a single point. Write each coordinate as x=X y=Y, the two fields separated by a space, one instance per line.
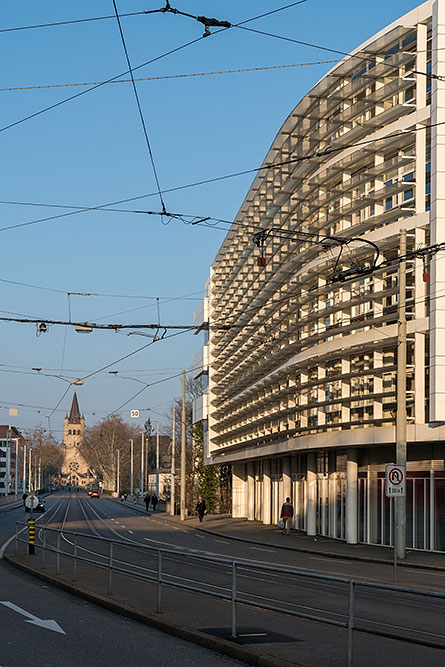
x=74 y=416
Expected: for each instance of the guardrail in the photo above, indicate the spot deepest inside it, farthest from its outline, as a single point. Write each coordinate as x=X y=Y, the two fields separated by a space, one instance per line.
x=159 y=578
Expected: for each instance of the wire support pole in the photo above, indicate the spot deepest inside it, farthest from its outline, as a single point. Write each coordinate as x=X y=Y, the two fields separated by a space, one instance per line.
x=183 y=445
x=401 y=397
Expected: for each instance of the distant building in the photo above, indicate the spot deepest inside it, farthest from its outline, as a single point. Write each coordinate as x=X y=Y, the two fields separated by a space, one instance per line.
x=9 y=437
x=75 y=470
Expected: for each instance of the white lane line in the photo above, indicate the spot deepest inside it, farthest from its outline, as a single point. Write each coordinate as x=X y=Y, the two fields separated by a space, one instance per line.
x=222 y=541
x=201 y=536
x=332 y=560
x=130 y=531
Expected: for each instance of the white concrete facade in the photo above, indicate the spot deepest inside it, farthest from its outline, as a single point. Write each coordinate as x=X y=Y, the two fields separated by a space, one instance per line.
x=301 y=394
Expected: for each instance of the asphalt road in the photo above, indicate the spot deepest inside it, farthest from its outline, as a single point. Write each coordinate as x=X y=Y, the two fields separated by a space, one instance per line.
x=403 y=614
x=91 y=636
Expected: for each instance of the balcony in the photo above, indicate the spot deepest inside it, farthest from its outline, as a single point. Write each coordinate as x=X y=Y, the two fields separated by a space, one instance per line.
x=201 y=362
x=201 y=315
x=200 y=408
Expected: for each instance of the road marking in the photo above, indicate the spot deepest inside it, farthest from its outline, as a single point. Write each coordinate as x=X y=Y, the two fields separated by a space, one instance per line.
x=272 y=551
x=332 y=560
x=434 y=574
x=122 y=526
x=222 y=541
x=201 y=536
x=130 y=531
x=49 y=625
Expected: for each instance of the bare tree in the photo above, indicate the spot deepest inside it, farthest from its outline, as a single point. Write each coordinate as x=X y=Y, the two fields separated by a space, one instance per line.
x=99 y=449
x=46 y=452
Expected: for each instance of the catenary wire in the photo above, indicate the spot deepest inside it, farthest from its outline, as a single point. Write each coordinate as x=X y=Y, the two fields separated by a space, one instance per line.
x=171 y=76
x=138 y=104
x=273 y=165
x=144 y=64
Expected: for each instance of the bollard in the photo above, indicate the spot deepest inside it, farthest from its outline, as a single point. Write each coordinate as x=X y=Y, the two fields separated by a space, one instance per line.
x=31 y=536
x=234 y=586
x=159 y=591
x=350 y=621
x=110 y=567
x=16 y=539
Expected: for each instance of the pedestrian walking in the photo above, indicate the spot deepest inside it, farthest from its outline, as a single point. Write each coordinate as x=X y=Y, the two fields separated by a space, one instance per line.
x=287 y=512
x=154 y=501
x=147 y=501
x=201 y=508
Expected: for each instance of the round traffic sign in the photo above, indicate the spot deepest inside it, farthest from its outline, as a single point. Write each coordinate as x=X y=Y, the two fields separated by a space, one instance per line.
x=396 y=476
x=32 y=501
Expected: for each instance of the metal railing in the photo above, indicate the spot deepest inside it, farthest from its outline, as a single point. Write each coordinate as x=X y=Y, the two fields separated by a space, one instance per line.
x=112 y=564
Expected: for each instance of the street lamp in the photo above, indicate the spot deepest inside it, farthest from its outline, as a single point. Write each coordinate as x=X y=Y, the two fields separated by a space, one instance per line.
x=131 y=467
x=157 y=458
x=142 y=461
x=118 y=471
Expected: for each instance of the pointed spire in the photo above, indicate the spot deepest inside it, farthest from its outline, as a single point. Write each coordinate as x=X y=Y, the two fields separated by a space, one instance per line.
x=74 y=416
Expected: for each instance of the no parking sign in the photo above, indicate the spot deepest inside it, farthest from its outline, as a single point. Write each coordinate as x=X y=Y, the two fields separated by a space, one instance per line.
x=395 y=480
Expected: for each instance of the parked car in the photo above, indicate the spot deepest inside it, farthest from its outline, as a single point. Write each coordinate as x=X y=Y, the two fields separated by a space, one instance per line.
x=40 y=507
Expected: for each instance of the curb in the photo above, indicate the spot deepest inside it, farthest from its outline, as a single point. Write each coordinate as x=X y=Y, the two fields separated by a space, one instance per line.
x=216 y=644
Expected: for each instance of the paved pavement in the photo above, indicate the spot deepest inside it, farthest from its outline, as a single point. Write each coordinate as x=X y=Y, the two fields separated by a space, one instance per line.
x=267 y=638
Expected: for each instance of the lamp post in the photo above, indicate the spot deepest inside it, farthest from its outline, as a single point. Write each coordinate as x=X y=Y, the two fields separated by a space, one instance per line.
x=30 y=469
x=118 y=471
x=131 y=467
x=16 y=485
x=24 y=468
x=157 y=457
x=142 y=461
x=172 y=477
x=8 y=465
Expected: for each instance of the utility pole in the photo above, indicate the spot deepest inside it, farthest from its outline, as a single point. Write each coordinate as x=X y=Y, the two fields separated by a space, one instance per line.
x=24 y=468
x=30 y=470
x=172 y=477
x=131 y=468
x=142 y=461
x=400 y=502
x=16 y=485
x=157 y=459
x=183 y=449
x=118 y=471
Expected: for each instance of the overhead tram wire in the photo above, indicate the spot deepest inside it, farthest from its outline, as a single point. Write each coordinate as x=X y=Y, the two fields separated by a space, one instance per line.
x=350 y=56
x=273 y=165
x=141 y=115
x=56 y=24
x=134 y=69
x=265 y=68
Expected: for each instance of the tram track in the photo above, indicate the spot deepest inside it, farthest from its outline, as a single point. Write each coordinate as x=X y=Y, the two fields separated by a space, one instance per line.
x=363 y=623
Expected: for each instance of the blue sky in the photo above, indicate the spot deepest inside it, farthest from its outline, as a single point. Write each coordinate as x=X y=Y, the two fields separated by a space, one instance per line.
x=91 y=151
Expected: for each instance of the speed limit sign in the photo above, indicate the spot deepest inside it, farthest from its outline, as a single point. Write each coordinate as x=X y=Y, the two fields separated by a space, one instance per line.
x=395 y=480
x=134 y=414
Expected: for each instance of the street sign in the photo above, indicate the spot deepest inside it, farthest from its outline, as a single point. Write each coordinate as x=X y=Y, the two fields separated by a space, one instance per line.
x=32 y=501
x=395 y=480
x=134 y=414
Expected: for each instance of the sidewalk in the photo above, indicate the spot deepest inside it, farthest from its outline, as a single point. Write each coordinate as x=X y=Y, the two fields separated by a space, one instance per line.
x=257 y=533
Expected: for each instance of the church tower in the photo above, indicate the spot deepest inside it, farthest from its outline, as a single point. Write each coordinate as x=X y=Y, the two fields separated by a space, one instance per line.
x=75 y=471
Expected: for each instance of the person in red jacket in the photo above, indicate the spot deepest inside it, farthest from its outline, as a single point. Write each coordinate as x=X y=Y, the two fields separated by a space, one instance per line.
x=287 y=512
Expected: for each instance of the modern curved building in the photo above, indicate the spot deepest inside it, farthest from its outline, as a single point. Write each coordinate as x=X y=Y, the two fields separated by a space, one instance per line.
x=301 y=390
